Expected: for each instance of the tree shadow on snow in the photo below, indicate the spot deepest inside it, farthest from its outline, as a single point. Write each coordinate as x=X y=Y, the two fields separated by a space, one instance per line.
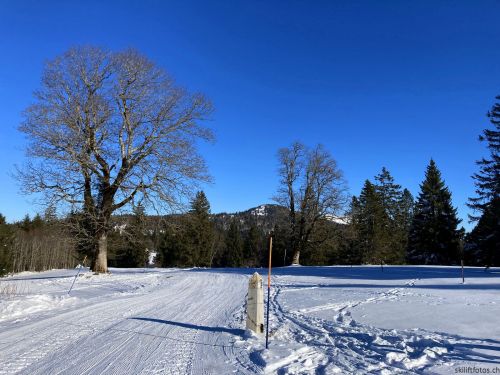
x=367 y=272
x=457 y=286
x=232 y=331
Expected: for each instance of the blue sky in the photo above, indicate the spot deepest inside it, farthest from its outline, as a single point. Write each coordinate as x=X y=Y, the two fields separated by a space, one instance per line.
x=390 y=83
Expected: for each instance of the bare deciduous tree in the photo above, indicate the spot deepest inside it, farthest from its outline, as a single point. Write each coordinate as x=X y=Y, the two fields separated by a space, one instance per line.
x=107 y=129
x=312 y=188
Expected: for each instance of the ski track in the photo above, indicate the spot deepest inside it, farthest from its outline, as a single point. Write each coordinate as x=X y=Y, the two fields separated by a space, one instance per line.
x=342 y=345
x=169 y=330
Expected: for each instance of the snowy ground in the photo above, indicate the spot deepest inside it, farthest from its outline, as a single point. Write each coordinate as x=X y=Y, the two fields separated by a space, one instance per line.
x=324 y=320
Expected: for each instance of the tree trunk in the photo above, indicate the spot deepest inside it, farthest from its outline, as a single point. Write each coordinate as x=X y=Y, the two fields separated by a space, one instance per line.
x=101 y=256
x=296 y=256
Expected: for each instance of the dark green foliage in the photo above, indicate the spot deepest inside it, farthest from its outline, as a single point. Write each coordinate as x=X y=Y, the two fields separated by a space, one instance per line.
x=401 y=225
x=200 y=232
x=405 y=213
x=282 y=254
x=6 y=238
x=371 y=223
x=172 y=247
x=234 y=246
x=190 y=240
x=389 y=193
x=253 y=248
x=349 y=252
x=434 y=238
x=129 y=247
x=325 y=244
x=395 y=221
x=380 y=223
x=25 y=224
x=483 y=244
x=487 y=180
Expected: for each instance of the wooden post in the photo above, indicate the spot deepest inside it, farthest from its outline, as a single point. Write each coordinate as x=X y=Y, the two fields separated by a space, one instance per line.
x=463 y=276
x=269 y=287
x=255 y=304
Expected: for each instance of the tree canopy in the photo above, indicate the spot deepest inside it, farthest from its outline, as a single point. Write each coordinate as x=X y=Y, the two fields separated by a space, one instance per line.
x=107 y=128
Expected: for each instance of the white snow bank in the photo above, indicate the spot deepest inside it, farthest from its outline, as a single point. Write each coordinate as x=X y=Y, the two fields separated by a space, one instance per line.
x=23 y=306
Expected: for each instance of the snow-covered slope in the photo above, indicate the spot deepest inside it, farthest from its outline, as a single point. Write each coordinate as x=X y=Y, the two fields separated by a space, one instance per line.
x=323 y=320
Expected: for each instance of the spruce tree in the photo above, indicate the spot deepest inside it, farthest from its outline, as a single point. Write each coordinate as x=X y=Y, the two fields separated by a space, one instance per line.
x=434 y=238
x=370 y=220
x=200 y=232
x=395 y=204
x=132 y=245
x=172 y=248
x=404 y=219
x=253 y=246
x=483 y=244
x=351 y=251
x=389 y=192
x=6 y=238
x=234 y=246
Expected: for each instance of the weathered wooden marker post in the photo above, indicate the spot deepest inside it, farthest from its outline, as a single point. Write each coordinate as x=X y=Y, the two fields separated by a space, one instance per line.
x=255 y=304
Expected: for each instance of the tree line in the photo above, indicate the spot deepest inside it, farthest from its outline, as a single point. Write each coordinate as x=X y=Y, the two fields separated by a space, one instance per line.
x=111 y=131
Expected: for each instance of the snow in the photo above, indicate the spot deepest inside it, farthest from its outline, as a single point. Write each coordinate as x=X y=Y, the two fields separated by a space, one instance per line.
x=260 y=211
x=344 y=220
x=152 y=257
x=328 y=320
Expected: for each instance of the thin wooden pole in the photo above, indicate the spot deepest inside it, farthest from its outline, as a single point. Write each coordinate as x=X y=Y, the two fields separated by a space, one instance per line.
x=79 y=269
x=269 y=288
x=463 y=276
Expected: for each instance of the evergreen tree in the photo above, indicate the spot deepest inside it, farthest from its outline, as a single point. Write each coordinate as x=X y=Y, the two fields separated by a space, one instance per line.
x=389 y=192
x=139 y=240
x=37 y=222
x=26 y=224
x=50 y=215
x=130 y=248
x=282 y=254
x=6 y=237
x=404 y=218
x=405 y=212
x=484 y=241
x=371 y=222
x=172 y=247
x=350 y=249
x=434 y=238
x=252 y=246
x=200 y=232
x=234 y=246
x=393 y=231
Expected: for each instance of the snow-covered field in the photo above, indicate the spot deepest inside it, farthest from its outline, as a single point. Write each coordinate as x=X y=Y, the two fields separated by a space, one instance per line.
x=326 y=320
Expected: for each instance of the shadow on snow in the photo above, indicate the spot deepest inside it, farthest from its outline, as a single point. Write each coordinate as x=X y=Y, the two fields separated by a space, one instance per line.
x=232 y=331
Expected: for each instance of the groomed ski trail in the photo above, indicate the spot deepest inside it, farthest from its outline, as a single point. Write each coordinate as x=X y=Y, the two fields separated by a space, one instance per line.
x=178 y=327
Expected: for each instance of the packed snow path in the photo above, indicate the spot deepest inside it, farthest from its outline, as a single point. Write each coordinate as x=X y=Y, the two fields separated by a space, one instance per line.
x=173 y=323
x=323 y=320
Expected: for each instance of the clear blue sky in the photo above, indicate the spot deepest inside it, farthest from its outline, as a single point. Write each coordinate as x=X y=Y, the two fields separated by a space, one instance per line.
x=379 y=83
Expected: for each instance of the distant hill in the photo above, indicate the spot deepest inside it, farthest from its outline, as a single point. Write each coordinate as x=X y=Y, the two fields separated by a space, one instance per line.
x=265 y=216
